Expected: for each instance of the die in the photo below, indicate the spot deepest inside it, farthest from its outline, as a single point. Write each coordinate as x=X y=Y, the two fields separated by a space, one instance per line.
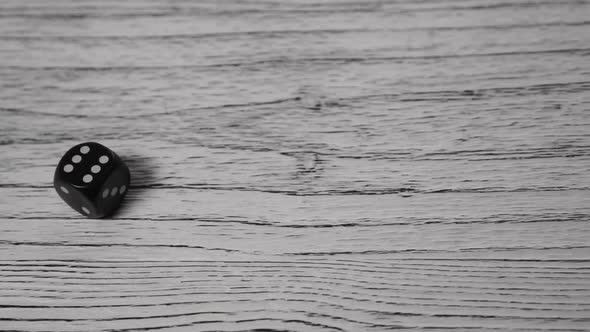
x=92 y=179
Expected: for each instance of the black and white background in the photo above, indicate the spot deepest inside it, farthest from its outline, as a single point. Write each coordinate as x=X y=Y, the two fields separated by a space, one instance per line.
x=301 y=165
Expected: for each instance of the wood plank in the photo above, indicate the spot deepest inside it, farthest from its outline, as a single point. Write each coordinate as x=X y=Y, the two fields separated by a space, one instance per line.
x=336 y=295
x=208 y=50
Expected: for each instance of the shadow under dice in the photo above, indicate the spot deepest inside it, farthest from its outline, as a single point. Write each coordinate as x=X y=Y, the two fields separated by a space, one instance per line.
x=92 y=179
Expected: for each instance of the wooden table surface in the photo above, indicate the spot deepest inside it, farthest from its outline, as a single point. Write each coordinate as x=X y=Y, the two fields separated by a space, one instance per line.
x=300 y=165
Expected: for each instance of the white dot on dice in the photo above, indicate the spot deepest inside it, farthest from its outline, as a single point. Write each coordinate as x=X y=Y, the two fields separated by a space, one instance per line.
x=95 y=169
x=64 y=189
x=114 y=191
x=87 y=178
x=76 y=159
x=85 y=210
x=103 y=159
x=122 y=190
x=105 y=193
x=85 y=149
x=68 y=168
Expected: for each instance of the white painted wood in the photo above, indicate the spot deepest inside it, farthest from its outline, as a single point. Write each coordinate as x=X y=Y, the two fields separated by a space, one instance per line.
x=299 y=165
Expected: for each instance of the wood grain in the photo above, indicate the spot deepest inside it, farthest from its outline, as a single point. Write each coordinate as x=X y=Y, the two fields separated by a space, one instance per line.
x=300 y=165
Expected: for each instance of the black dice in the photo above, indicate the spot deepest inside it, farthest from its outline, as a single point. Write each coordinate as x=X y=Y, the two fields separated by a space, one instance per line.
x=92 y=179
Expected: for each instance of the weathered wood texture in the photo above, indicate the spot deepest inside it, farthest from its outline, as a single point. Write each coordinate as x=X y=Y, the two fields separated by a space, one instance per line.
x=300 y=165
